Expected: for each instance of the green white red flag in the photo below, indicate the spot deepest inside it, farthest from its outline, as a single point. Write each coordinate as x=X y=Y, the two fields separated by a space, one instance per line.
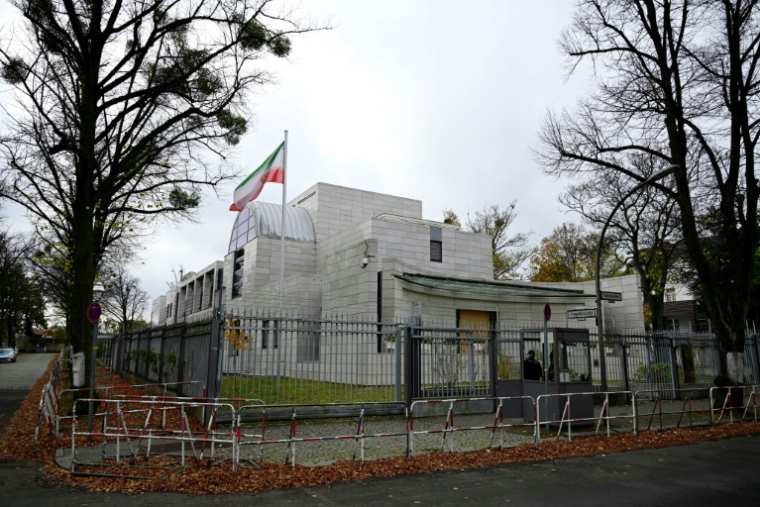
x=272 y=170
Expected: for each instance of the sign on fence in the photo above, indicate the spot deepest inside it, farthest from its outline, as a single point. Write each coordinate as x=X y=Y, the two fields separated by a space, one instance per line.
x=77 y=368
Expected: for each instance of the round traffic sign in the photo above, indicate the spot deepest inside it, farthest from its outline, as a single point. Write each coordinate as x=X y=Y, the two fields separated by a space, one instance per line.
x=547 y=312
x=93 y=312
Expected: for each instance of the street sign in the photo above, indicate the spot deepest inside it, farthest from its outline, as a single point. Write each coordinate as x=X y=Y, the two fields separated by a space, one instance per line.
x=547 y=312
x=611 y=296
x=581 y=313
x=93 y=312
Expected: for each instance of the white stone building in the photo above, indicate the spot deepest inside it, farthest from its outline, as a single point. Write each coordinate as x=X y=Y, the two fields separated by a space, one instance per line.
x=355 y=252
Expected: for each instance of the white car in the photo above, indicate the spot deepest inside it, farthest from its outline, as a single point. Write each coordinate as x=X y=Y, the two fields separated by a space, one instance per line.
x=7 y=354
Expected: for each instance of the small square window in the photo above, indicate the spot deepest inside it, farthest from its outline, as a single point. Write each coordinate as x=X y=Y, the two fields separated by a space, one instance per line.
x=436 y=251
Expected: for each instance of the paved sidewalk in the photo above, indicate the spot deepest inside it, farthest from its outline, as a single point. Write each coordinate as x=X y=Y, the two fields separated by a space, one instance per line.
x=702 y=475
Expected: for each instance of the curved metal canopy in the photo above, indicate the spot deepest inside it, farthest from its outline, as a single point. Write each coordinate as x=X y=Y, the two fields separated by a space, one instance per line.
x=263 y=220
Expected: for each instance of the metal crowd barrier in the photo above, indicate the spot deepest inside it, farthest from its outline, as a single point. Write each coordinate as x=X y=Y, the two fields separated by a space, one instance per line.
x=165 y=385
x=134 y=436
x=730 y=404
x=653 y=397
x=107 y=395
x=449 y=428
x=259 y=439
x=49 y=400
x=238 y=436
x=566 y=418
x=160 y=399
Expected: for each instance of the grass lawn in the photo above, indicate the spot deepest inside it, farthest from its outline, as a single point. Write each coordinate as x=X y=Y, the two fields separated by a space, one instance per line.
x=292 y=390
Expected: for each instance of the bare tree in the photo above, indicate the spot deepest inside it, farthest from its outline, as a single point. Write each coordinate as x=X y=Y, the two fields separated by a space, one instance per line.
x=509 y=252
x=21 y=296
x=678 y=81
x=646 y=227
x=125 y=111
x=123 y=299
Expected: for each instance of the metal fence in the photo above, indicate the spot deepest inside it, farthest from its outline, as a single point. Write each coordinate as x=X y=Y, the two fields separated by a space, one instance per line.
x=171 y=354
x=666 y=362
x=294 y=358
x=300 y=359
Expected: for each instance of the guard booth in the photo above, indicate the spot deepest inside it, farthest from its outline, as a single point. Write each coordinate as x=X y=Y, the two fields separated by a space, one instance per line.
x=569 y=371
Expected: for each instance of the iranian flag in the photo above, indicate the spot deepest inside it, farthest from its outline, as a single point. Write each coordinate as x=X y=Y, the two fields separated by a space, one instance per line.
x=271 y=171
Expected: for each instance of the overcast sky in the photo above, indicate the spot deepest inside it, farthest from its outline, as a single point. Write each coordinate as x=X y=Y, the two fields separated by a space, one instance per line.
x=429 y=99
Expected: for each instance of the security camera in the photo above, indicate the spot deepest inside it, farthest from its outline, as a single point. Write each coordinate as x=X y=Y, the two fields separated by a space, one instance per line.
x=365 y=262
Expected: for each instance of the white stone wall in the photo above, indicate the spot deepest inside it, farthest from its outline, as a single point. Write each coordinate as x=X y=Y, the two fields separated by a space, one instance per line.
x=625 y=315
x=261 y=267
x=158 y=311
x=334 y=208
x=348 y=288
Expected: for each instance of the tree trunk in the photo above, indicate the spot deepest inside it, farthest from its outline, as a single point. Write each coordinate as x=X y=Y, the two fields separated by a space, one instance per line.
x=85 y=245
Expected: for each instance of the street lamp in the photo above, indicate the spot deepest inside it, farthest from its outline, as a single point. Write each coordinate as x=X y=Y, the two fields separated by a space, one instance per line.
x=600 y=318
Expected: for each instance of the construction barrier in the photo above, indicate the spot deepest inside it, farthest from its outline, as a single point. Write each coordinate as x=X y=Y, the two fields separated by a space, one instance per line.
x=567 y=416
x=107 y=394
x=134 y=436
x=449 y=428
x=692 y=405
x=348 y=410
x=120 y=414
x=734 y=400
x=49 y=399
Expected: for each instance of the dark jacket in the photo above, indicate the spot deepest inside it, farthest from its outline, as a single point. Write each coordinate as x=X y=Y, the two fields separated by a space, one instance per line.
x=531 y=369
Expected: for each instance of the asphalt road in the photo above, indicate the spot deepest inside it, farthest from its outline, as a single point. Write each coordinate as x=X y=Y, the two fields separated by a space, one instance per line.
x=17 y=379
x=707 y=474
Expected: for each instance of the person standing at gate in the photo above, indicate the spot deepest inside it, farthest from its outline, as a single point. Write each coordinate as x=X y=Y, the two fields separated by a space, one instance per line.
x=531 y=367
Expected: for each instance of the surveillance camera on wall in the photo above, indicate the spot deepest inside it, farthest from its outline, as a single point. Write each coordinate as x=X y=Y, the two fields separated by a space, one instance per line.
x=365 y=262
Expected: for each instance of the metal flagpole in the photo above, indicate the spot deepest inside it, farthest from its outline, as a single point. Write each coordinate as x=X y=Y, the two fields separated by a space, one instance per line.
x=282 y=252
x=282 y=223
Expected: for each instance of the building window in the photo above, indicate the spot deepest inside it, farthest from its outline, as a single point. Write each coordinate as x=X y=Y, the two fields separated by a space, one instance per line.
x=670 y=294
x=436 y=244
x=237 y=274
x=265 y=328
x=436 y=251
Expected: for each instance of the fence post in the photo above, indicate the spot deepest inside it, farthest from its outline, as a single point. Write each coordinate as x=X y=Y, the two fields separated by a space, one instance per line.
x=397 y=351
x=181 y=361
x=756 y=362
x=626 y=382
x=117 y=353
x=673 y=366
x=213 y=379
x=147 y=351
x=412 y=373
x=161 y=356
x=494 y=362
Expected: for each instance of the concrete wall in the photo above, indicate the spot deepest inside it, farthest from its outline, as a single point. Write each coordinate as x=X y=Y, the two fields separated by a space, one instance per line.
x=334 y=208
x=261 y=267
x=158 y=311
x=349 y=288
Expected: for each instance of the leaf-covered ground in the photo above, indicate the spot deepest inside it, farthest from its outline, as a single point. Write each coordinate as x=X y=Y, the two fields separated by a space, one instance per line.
x=202 y=477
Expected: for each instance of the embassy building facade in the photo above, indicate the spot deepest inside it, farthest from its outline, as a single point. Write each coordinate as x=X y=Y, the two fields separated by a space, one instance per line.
x=355 y=252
